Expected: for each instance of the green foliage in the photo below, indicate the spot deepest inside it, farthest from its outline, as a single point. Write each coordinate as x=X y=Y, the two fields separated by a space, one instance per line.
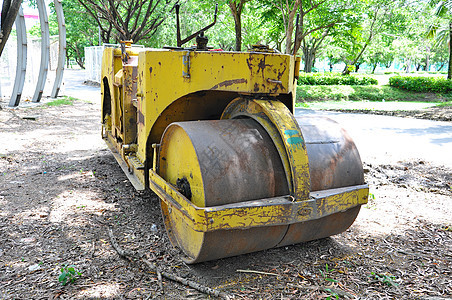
x=62 y=101
x=445 y=104
x=421 y=84
x=334 y=79
x=81 y=29
x=333 y=294
x=359 y=93
x=68 y=274
x=325 y=274
x=384 y=278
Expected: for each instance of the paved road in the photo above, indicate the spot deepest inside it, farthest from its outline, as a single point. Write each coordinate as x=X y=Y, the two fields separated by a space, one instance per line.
x=381 y=139
x=73 y=86
x=386 y=139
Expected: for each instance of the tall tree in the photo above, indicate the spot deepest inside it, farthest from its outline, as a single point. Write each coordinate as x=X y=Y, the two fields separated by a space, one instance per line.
x=127 y=20
x=10 y=8
x=318 y=19
x=377 y=16
x=236 y=7
x=443 y=10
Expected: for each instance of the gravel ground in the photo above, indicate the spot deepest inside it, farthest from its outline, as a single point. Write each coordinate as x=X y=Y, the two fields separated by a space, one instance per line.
x=62 y=193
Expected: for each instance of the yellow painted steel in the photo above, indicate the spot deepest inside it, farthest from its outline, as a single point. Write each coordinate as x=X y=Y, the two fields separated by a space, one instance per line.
x=180 y=86
x=262 y=212
x=119 y=114
x=282 y=127
x=145 y=90
x=233 y=72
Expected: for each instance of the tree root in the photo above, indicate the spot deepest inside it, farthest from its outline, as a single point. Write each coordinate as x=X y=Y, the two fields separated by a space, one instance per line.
x=194 y=285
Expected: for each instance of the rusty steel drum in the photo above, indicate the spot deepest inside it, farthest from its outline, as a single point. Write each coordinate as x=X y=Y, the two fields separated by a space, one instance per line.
x=231 y=161
x=334 y=162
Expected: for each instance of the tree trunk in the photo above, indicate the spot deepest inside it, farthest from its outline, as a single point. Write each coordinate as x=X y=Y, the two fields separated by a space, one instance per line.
x=408 y=64
x=8 y=17
x=347 y=70
x=427 y=60
x=238 y=33
x=309 y=58
x=373 y=68
x=449 y=70
x=290 y=28
x=236 y=10
x=357 y=65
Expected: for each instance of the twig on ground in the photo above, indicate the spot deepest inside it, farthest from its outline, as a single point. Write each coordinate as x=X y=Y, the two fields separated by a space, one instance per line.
x=118 y=249
x=256 y=272
x=190 y=283
x=153 y=267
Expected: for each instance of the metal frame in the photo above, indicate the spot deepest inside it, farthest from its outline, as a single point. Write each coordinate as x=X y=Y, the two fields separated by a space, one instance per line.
x=21 y=59
x=261 y=212
x=45 y=50
x=61 y=48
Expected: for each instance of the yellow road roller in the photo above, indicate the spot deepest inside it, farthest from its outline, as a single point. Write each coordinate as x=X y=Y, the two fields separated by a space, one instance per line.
x=213 y=134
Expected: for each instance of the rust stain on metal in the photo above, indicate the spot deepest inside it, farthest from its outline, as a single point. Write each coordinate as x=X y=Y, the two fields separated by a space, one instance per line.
x=248 y=62
x=278 y=86
x=229 y=83
x=256 y=87
x=262 y=65
x=280 y=74
x=140 y=117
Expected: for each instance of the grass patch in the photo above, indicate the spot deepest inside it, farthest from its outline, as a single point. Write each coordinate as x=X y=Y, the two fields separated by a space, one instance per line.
x=63 y=101
x=309 y=93
x=445 y=104
x=367 y=105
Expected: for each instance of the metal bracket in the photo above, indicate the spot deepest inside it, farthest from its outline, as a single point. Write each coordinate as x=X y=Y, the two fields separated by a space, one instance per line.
x=261 y=212
x=180 y=42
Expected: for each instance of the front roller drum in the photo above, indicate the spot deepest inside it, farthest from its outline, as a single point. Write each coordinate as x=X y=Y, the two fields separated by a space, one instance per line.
x=214 y=163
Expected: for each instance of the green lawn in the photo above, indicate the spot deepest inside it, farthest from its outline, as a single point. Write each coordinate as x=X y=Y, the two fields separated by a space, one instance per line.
x=308 y=93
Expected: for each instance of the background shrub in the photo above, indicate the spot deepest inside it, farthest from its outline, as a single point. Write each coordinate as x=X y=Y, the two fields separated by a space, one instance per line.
x=421 y=84
x=334 y=79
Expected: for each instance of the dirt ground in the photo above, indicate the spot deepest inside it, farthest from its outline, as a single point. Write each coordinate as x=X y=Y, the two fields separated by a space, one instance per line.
x=433 y=113
x=61 y=190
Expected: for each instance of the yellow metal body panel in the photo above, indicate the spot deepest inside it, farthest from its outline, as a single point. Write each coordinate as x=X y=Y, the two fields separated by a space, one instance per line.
x=163 y=80
x=119 y=113
x=156 y=87
x=262 y=212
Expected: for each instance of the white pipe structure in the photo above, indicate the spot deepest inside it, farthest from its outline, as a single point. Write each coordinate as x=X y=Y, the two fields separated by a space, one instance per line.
x=45 y=50
x=45 y=53
x=61 y=48
x=21 y=59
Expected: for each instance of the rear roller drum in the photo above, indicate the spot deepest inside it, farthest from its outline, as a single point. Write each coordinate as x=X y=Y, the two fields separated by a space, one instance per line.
x=231 y=161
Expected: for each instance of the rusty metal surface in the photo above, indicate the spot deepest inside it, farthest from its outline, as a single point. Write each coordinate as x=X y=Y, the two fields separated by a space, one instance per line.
x=320 y=228
x=286 y=135
x=238 y=163
x=334 y=162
